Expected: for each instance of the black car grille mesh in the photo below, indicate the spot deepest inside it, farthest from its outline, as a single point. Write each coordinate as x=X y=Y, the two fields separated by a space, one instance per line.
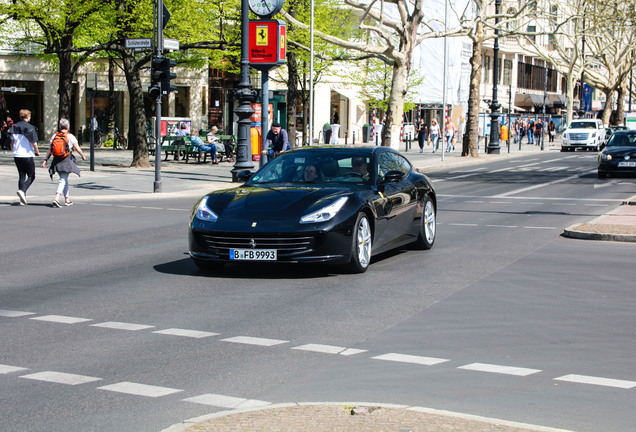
x=285 y=244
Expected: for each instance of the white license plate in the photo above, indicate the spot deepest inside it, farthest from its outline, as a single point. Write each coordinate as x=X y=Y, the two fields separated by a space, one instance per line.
x=253 y=254
x=627 y=164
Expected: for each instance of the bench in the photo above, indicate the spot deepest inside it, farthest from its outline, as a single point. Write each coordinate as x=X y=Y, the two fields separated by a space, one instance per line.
x=180 y=148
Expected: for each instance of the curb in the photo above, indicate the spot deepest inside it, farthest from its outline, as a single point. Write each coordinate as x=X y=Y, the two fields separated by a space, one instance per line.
x=571 y=232
x=196 y=421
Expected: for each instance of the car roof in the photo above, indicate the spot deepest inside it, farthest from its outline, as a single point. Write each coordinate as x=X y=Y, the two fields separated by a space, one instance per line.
x=362 y=149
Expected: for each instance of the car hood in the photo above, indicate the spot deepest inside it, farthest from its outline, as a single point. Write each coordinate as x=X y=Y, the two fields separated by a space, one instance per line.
x=621 y=151
x=272 y=203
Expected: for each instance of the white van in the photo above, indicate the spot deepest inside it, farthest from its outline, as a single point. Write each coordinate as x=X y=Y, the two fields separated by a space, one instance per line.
x=588 y=134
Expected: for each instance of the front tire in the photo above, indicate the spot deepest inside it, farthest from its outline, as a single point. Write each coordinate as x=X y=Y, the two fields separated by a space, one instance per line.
x=428 y=226
x=361 y=245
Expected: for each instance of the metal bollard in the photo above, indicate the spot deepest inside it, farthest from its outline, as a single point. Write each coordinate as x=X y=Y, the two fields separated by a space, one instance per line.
x=346 y=136
x=354 y=138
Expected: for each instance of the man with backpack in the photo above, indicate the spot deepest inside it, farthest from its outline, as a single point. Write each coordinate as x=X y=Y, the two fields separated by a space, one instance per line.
x=24 y=144
x=61 y=148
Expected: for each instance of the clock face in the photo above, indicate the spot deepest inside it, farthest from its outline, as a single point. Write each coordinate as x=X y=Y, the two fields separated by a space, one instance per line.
x=265 y=8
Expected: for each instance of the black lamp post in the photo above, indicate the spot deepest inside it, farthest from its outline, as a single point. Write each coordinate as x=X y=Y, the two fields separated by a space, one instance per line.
x=493 y=145
x=245 y=94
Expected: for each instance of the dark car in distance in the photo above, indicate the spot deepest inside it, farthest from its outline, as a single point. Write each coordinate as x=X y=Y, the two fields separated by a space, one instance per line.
x=317 y=204
x=619 y=155
x=609 y=131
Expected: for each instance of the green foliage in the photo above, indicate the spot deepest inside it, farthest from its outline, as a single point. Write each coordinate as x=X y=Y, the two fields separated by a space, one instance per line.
x=377 y=80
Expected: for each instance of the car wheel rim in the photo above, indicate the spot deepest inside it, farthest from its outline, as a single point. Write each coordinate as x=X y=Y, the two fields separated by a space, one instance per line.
x=364 y=242
x=429 y=221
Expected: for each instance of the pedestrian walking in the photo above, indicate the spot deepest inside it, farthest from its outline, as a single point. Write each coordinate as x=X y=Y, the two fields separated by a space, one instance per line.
x=538 y=132
x=530 y=131
x=422 y=132
x=5 y=137
x=24 y=144
x=61 y=148
x=434 y=130
x=449 y=131
x=551 y=132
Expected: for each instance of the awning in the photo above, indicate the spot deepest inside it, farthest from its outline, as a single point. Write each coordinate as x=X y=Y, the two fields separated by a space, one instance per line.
x=530 y=100
x=558 y=100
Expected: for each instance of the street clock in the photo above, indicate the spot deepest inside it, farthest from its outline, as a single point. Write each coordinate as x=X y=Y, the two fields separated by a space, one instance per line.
x=265 y=8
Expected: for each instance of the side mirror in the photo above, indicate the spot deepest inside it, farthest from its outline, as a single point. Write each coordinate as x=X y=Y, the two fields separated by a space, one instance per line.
x=244 y=175
x=393 y=176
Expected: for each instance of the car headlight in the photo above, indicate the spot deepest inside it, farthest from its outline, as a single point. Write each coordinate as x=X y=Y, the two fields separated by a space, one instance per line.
x=606 y=156
x=204 y=213
x=566 y=136
x=325 y=213
x=593 y=134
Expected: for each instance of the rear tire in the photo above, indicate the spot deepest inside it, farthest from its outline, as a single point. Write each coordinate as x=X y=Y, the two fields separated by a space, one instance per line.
x=428 y=226
x=360 y=245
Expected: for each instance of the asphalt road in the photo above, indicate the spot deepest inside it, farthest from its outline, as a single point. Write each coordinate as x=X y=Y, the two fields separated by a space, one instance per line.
x=107 y=325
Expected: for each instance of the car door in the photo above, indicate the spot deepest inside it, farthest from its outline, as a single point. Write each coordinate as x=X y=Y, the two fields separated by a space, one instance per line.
x=397 y=212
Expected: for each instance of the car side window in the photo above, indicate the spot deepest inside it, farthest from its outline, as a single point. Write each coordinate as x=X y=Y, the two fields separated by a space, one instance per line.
x=389 y=161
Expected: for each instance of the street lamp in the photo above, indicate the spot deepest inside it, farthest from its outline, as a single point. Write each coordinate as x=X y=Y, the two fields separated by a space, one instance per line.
x=493 y=145
x=245 y=94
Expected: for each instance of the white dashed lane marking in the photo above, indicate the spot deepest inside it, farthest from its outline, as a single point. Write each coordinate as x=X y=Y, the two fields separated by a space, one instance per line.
x=231 y=402
x=61 y=319
x=6 y=369
x=185 y=333
x=254 y=341
x=14 y=314
x=61 y=378
x=404 y=358
x=329 y=349
x=139 y=389
x=608 y=382
x=226 y=401
x=507 y=370
x=122 y=326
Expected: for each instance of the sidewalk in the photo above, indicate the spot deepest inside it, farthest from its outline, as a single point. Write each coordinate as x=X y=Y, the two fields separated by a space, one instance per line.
x=349 y=417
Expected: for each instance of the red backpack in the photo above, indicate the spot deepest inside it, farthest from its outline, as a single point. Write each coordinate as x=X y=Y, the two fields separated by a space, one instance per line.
x=59 y=145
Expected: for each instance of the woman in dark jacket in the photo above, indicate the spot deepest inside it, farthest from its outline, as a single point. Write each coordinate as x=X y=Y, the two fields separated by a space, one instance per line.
x=64 y=166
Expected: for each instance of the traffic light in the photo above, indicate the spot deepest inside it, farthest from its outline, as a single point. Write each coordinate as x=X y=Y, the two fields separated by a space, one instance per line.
x=160 y=76
x=156 y=74
x=167 y=76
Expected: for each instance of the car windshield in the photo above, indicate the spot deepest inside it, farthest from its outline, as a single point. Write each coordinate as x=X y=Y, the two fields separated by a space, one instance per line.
x=582 y=125
x=302 y=167
x=620 y=139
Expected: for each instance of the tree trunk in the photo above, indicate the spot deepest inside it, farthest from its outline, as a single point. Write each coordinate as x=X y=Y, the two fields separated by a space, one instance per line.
x=65 y=80
x=609 y=104
x=391 y=129
x=471 y=137
x=292 y=91
x=620 y=103
x=112 y=100
x=137 y=126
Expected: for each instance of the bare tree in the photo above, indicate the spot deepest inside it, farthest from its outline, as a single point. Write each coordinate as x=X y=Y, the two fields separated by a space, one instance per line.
x=612 y=40
x=395 y=28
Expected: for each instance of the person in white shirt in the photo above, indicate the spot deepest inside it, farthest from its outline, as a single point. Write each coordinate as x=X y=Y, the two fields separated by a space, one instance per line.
x=24 y=144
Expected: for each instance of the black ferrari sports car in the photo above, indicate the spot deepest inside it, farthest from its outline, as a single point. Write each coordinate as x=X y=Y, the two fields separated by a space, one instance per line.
x=336 y=204
x=619 y=155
